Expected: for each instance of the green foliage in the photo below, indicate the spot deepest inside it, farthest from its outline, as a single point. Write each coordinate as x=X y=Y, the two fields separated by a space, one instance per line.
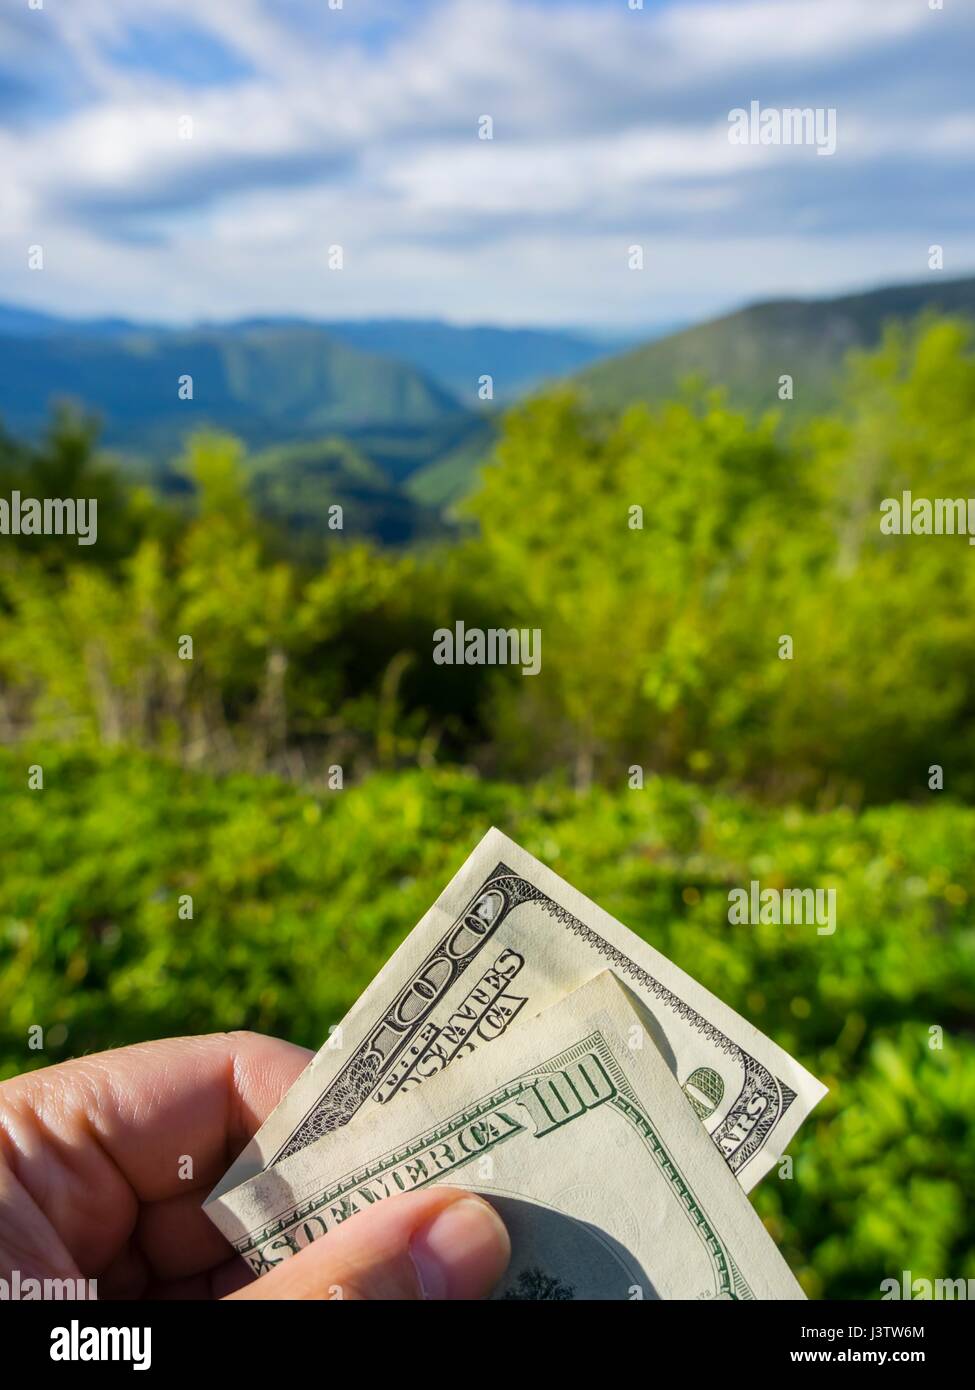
x=660 y=647
x=63 y=464
x=289 y=668
x=661 y=643
x=299 y=898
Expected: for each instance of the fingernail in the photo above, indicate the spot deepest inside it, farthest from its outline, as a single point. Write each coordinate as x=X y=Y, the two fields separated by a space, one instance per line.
x=462 y=1252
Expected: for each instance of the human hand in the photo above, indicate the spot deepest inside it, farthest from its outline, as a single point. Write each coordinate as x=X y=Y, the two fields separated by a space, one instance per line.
x=91 y=1154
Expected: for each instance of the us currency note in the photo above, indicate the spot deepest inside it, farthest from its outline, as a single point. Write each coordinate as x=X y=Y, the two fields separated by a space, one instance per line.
x=506 y=939
x=576 y=1130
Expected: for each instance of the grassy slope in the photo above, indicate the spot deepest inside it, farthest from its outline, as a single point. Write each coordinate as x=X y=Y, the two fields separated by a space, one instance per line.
x=453 y=475
x=296 y=484
x=748 y=351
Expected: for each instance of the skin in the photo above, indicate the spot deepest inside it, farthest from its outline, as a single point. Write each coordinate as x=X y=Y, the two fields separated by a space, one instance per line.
x=90 y=1154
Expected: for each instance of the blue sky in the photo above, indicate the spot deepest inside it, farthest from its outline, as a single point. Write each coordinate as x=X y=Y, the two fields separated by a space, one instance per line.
x=357 y=126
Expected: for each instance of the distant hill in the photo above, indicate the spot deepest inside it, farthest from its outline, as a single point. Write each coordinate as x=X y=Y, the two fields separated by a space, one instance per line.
x=383 y=415
x=749 y=350
x=16 y=321
x=344 y=375
x=294 y=485
x=266 y=384
x=403 y=392
x=518 y=359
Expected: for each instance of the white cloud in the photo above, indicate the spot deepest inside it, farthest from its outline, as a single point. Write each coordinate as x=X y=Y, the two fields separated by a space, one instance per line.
x=610 y=126
x=770 y=32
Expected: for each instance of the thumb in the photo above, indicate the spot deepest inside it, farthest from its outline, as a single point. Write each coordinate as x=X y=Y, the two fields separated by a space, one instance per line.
x=439 y=1244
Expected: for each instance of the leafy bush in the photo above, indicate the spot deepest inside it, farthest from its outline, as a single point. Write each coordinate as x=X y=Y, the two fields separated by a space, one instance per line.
x=661 y=643
x=665 y=554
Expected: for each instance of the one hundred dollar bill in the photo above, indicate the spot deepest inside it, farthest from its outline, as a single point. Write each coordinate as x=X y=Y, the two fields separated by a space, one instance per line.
x=506 y=939
x=575 y=1129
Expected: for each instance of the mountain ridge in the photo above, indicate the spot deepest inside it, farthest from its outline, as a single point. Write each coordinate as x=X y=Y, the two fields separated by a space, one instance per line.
x=264 y=384
x=292 y=390
x=746 y=351
x=456 y=356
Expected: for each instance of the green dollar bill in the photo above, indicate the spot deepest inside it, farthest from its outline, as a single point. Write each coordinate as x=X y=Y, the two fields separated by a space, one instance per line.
x=505 y=940
x=575 y=1128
